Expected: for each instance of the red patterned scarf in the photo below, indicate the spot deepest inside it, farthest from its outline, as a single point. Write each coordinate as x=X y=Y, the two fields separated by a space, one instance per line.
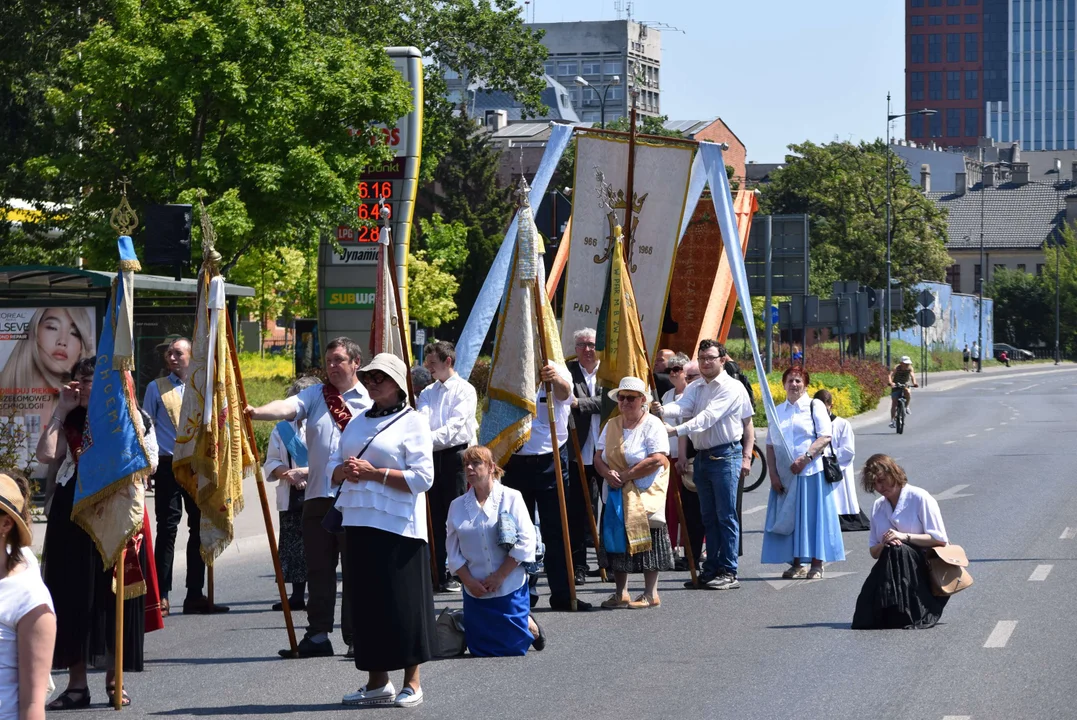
x=337 y=407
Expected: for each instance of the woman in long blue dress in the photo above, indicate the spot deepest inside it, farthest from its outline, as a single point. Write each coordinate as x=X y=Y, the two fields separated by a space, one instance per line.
x=497 y=611
x=809 y=529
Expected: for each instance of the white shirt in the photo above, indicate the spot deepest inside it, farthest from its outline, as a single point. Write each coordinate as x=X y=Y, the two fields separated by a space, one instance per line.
x=670 y=396
x=449 y=407
x=843 y=444
x=277 y=456
x=539 y=442
x=322 y=431
x=916 y=512
x=647 y=438
x=795 y=422
x=404 y=446
x=588 y=452
x=471 y=537
x=19 y=594
x=715 y=411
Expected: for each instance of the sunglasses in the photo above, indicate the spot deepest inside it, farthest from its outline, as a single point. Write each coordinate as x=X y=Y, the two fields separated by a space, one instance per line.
x=675 y=370
x=376 y=378
x=628 y=398
x=692 y=376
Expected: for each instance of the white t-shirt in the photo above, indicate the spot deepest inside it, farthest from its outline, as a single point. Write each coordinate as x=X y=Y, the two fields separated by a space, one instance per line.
x=647 y=438
x=539 y=443
x=19 y=594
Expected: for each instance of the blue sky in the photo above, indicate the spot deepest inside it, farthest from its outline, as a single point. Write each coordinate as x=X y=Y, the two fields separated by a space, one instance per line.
x=777 y=71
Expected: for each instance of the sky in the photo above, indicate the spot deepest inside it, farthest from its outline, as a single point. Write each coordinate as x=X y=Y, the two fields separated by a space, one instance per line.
x=776 y=71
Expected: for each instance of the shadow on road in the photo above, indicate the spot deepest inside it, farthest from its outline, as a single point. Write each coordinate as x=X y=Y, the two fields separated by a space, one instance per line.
x=804 y=626
x=256 y=710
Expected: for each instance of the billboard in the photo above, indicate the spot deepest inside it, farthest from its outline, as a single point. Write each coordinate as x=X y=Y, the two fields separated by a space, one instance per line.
x=38 y=348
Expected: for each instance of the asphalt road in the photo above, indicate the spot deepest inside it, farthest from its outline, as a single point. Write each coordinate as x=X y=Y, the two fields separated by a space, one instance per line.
x=998 y=450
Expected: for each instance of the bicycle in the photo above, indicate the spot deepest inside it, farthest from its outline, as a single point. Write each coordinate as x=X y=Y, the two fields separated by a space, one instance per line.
x=899 y=414
x=759 y=458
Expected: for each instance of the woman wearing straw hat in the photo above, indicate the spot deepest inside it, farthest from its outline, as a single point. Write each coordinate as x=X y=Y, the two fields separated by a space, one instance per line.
x=383 y=465
x=632 y=457
x=27 y=619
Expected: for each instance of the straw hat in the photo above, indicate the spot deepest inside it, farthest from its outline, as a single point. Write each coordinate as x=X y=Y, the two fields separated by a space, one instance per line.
x=631 y=384
x=392 y=366
x=12 y=502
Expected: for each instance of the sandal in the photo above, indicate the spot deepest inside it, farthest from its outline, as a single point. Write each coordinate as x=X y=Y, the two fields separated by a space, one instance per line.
x=111 y=693
x=67 y=700
x=615 y=602
x=164 y=607
x=797 y=572
x=644 y=603
x=815 y=573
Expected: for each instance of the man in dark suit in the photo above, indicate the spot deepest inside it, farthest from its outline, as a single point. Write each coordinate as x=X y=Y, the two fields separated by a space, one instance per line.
x=589 y=405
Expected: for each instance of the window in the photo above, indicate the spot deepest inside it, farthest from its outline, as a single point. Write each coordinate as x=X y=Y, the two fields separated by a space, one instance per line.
x=972 y=47
x=451 y=75
x=590 y=96
x=972 y=19
x=1021 y=267
x=972 y=122
x=550 y=68
x=916 y=3
x=953 y=277
x=951 y=3
x=934 y=48
x=934 y=85
x=916 y=20
x=953 y=19
x=916 y=126
x=972 y=84
x=616 y=92
x=613 y=67
x=935 y=123
x=953 y=122
x=916 y=86
x=934 y=20
x=566 y=68
x=1039 y=269
x=916 y=49
x=935 y=3
x=996 y=268
x=574 y=92
x=972 y=2
x=591 y=67
x=591 y=116
x=953 y=47
x=953 y=85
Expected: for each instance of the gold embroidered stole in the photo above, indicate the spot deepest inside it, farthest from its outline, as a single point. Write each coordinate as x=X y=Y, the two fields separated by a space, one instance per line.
x=171 y=399
x=636 y=526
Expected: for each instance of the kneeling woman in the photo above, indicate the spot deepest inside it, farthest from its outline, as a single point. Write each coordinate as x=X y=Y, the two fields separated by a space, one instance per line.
x=497 y=618
x=905 y=521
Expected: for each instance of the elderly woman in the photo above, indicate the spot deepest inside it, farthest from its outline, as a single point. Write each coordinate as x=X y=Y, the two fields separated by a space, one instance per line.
x=905 y=521
x=814 y=533
x=384 y=463
x=497 y=617
x=631 y=456
x=843 y=443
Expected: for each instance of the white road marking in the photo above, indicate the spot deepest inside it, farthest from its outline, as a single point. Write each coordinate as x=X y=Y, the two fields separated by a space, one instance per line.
x=956 y=717
x=776 y=581
x=989 y=429
x=949 y=442
x=1028 y=387
x=1040 y=573
x=971 y=435
x=756 y=509
x=953 y=493
x=1001 y=634
x=1068 y=534
x=1003 y=423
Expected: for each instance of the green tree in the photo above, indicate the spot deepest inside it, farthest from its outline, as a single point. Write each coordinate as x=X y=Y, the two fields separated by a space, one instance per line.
x=842 y=187
x=433 y=269
x=1066 y=255
x=1023 y=308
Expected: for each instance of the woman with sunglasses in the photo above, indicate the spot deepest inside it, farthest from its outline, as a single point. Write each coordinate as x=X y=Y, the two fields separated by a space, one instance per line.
x=383 y=465
x=632 y=457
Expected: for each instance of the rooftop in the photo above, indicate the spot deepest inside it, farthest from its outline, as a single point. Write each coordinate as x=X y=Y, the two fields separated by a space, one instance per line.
x=1015 y=216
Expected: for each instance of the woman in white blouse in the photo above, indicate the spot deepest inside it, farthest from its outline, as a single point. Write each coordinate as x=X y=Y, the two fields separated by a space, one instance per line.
x=814 y=533
x=384 y=463
x=905 y=521
x=843 y=444
x=497 y=614
x=632 y=457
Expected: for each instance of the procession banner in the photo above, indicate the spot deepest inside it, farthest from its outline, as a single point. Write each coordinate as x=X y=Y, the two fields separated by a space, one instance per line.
x=661 y=185
x=385 y=335
x=619 y=336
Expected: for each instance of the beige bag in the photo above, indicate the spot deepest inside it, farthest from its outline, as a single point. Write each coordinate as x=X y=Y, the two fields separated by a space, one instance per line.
x=946 y=566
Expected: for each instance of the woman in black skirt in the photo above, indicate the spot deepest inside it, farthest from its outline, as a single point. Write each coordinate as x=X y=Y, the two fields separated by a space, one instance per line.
x=905 y=521
x=384 y=463
x=80 y=585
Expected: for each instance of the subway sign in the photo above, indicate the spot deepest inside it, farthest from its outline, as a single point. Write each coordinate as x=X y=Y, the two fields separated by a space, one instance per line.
x=349 y=298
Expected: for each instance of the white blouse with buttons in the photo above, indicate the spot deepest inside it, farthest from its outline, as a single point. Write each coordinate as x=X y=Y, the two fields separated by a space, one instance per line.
x=800 y=423
x=471 y=537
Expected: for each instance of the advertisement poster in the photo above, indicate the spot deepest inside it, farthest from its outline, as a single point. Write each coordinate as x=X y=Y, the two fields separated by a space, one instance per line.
x=38 y=349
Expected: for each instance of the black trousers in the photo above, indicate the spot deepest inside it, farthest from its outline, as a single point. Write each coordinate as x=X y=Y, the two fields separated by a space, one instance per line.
x=534 y=477
x=322 y=551
x=449 y=484
x=693 y=520
x=582 y=489
x=170 y=502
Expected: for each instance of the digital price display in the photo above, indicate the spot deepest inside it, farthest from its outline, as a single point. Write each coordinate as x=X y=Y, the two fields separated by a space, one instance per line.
x=371 y=193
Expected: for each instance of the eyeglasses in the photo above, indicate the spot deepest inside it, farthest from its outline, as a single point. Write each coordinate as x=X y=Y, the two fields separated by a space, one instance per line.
x=376 y=378
x=586 y=345
x=675 y=370
x=690 y=378
x=708 y=358
x=628 y=398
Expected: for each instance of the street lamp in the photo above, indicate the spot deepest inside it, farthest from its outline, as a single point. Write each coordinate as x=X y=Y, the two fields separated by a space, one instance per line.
x=615 y=80
x=984 y=167
x=1057 y=172
x=889 y=281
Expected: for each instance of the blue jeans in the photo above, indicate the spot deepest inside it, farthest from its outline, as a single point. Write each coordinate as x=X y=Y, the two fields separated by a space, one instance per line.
x=717 y=475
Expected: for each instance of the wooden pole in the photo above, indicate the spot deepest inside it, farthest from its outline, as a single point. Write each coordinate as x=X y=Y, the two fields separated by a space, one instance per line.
x=540 y=318
x=117 y=702
x=574 y=437
x=209 y=583
x=263 y=499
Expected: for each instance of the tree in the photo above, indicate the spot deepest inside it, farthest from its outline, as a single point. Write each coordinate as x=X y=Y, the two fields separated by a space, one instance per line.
x=1023 y=308
x=433 y=269
x=842 y=187
x=1067 y=297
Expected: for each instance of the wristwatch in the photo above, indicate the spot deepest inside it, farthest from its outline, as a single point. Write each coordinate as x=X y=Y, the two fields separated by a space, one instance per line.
x=808 y=457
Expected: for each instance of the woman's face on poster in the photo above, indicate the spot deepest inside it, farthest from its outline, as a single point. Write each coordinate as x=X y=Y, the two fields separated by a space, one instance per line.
x=59 y=343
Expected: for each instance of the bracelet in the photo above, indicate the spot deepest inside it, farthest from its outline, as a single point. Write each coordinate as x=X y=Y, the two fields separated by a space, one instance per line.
x=385 y=476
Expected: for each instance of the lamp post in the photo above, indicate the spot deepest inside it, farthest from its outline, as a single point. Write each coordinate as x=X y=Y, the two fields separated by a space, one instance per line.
x=889 y=280
x=615 y=80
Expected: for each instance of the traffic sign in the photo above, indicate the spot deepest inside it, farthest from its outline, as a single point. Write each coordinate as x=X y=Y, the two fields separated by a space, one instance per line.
x=926 y=298
x=925 y=317
x=420 y=337
x=773 y=314
x=873 y=296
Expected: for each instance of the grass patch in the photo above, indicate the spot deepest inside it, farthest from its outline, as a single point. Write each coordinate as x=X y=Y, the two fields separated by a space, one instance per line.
x=265 y=379
x=938 y=360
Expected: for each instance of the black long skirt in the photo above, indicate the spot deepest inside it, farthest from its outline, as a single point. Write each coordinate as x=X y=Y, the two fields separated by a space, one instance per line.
x=392 y=599
x=854 y=523
x=82 y=595
x=897 y=593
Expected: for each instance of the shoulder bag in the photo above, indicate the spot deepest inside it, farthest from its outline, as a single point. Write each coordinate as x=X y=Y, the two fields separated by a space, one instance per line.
x=831 y=470
x=946 y=568
x=450 y=633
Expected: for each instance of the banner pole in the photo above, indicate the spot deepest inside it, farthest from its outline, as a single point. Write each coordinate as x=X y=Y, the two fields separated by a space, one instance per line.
x=262 y=497
x=117 y=655
x=586 y=483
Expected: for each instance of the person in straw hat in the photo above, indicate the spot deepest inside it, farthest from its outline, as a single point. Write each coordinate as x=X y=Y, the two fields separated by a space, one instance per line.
x=27 y=619
x=632 y=457
x=383 y=465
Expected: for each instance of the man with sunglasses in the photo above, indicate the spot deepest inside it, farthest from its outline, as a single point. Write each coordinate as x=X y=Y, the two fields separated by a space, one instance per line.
x=716 y=414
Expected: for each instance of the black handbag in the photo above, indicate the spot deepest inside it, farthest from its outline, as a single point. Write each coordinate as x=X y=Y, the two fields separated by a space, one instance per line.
x=831 y=470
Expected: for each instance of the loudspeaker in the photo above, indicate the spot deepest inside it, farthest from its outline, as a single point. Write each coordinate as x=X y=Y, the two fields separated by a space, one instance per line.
x=168 y=235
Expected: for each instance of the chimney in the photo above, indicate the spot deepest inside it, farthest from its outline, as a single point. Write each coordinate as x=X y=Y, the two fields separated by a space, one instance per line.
x=989 y=175
x=1020 y=173
x=496 y=119
x=925 y=178
x=1073 y=172
x=1071 y=210
x=1015 y=152
x=960 y=183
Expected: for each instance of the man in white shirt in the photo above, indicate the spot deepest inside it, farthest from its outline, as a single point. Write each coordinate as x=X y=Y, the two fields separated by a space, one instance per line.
x=531 y=471
x=326 y=408
x=716 y=413
x=449 y=406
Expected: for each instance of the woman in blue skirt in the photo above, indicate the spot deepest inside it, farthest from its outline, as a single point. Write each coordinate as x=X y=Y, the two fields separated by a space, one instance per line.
x=802 y=519
x=497 y=614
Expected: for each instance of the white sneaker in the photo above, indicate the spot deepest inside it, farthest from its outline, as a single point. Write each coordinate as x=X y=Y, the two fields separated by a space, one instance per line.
x=893 y=424
x=908 y=411
x=377 y=696
x=409 y=698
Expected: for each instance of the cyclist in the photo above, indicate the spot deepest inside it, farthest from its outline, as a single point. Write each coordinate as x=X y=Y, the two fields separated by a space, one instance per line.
x=900 y=378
